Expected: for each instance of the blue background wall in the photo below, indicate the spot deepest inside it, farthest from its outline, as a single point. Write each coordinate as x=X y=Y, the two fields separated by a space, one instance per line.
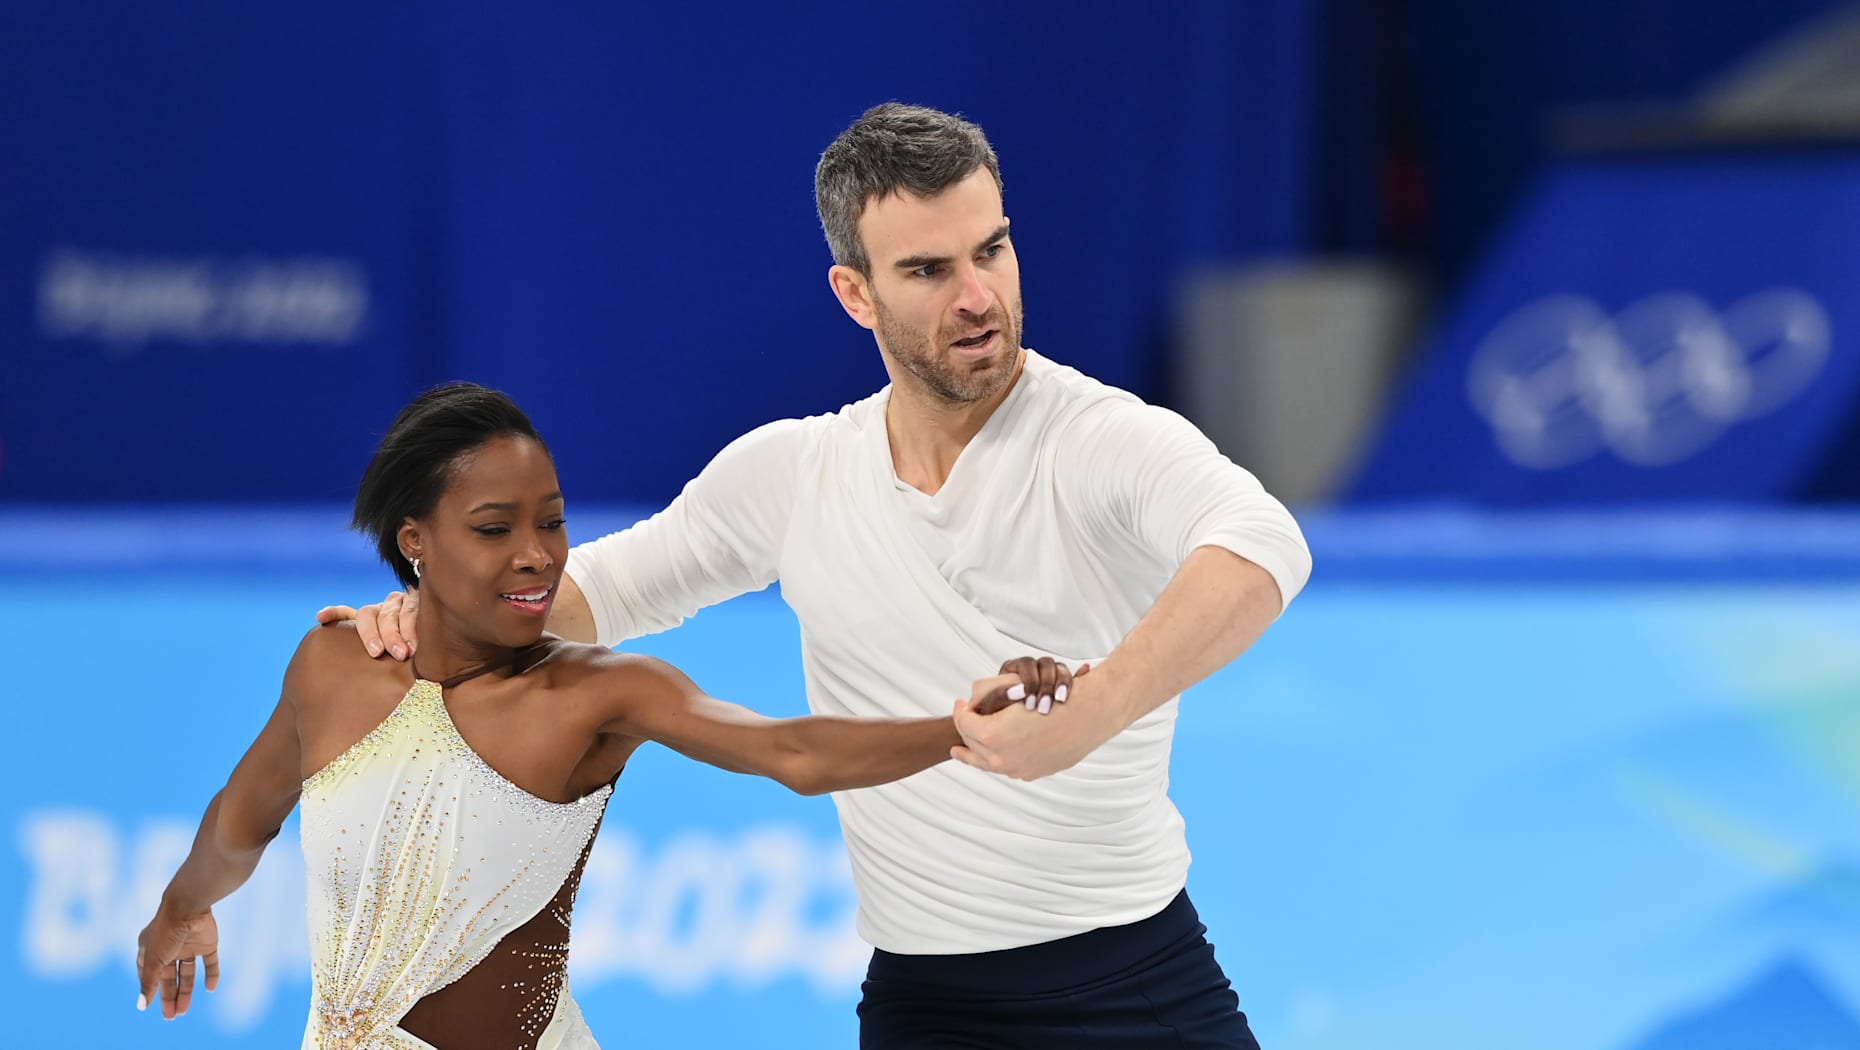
x=607 y=211
x=1485 y=79
x=246 y=235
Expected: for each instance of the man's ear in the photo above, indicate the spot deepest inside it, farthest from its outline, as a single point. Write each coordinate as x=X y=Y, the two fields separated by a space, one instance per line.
x=854 y=291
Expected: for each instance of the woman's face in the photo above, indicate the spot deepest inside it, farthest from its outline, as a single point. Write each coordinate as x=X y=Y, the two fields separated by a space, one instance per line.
x=493 y=549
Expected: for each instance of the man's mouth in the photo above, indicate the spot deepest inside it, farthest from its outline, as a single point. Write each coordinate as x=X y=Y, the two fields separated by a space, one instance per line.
x=976 y=342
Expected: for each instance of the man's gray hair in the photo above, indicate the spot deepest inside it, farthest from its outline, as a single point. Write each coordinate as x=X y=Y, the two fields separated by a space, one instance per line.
x=892 y=148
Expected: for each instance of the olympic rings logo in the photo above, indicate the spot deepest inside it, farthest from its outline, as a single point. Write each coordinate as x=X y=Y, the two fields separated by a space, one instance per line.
x=1559 y=380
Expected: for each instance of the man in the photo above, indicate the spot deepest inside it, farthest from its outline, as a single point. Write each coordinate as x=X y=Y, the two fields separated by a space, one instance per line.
x=987 y=502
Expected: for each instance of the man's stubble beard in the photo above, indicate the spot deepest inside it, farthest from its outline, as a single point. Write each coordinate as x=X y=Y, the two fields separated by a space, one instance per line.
x=925 y=359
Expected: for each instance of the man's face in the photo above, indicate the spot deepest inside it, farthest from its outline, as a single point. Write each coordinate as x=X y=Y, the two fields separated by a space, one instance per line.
x=945 y=287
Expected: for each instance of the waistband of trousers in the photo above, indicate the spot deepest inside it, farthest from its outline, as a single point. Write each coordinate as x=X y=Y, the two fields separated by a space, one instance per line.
x=1064 y=963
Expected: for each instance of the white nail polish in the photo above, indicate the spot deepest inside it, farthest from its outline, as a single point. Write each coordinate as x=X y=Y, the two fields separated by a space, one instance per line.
x=1046 y=704
x=1032 y=702
x=1016 y=691
x=142 y=1002
x=1059 y=694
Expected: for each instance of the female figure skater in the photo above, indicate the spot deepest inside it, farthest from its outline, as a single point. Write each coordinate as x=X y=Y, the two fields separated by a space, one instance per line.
x=450 y=802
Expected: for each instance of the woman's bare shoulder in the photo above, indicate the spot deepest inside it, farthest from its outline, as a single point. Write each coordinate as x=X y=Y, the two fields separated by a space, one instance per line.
x=329 y=656
x=584 y=660
x=603 y=674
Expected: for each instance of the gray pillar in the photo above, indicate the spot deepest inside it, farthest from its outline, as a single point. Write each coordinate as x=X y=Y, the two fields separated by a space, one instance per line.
x=1285 y=367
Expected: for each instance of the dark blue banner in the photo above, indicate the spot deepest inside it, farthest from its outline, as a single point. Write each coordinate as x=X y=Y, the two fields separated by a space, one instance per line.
x=1651 y=329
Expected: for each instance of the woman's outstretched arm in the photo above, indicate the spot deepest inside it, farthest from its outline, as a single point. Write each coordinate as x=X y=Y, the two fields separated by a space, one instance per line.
x=241 y=819
x=810 y=755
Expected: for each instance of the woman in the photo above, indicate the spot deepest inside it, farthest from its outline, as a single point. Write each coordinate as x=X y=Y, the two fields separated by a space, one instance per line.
x=450 y=802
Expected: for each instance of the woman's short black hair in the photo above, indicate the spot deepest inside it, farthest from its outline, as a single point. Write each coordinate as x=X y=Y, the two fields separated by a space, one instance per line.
x=419 y=455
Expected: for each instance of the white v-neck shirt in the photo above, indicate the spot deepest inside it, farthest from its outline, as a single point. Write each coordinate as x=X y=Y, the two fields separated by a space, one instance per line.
x=1058 y=526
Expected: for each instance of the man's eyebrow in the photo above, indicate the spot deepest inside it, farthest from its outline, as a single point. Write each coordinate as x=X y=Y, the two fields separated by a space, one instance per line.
x=915 y=262
x=1000 y=234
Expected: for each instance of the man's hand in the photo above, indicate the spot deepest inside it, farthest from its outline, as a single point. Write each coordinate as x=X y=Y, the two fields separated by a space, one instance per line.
x=386 y=627
x=1019 y=742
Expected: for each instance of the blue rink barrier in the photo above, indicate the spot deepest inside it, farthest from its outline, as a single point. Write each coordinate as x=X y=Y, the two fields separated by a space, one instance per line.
x=1521 y=781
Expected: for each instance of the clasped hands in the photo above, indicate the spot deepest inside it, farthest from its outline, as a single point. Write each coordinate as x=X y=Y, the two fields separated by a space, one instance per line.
x=1026 y=722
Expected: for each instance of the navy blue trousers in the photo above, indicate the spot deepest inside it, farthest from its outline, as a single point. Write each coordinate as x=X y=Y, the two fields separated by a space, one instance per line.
x=1152 y=983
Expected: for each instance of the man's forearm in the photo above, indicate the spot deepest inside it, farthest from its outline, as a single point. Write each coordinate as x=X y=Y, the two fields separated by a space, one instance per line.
x=1214 y=608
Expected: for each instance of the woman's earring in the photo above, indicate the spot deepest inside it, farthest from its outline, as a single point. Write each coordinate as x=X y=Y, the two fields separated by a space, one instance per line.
x=416 y=567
